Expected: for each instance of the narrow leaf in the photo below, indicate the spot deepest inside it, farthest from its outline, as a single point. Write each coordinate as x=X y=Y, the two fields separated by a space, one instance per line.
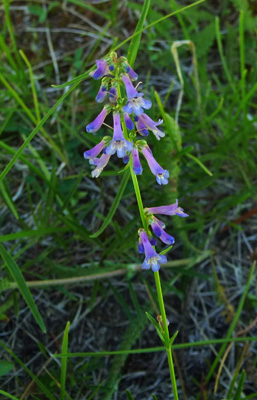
x=156 y=325
x=135 y=42
x=199 y=163
x=22 y=285
x=64 y=360
x=173 y=338
x=129 y=395
x=8 y=395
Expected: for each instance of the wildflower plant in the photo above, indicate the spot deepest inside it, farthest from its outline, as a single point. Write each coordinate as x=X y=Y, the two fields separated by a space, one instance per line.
x=131 y=126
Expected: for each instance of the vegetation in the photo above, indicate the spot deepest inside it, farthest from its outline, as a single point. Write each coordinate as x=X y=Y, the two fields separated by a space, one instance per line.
x=73 y=295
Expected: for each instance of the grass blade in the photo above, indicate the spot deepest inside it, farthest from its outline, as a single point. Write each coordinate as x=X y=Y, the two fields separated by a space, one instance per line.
x=199 y=163
x=64 y=360
x=8 y=395
x=135 y=42
x=21 y=283
x=114 y=207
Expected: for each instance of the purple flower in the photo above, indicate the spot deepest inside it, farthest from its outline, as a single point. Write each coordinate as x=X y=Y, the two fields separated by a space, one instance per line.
x=97 y=123
x=101 y=95
x=126 y=159
x=136 y=105
x=151 y=125
x=131 y=73
x=102 y=69
x=130 y=90
x=128 y=121
x=113 y=94
x=172 y=209
x=137 y=167
x=92 y=153
x=152 y=259
x=100 y=163
x=136 y=102
x=141 y=128
x=157 y=227
x=160 y=173
x=118 y=144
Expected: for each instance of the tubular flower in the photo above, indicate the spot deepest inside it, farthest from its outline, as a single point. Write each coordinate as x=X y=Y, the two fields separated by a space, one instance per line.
x=160 y=173
x=97 y=123
x=130 y=90
x=152 y=258
x=141 y=128
x=92 y=153
x=137 y=167
x=172 y=209
x=157 y=227
x=100 y=164
x=113 y=94
x=151 y=125
x=101 y=95
x=101 y=70
x=131 y=73
x=135 y=102
x=128 y=121
x=118 y=144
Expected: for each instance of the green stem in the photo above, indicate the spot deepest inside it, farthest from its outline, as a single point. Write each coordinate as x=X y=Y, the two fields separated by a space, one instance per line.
x=166 y=334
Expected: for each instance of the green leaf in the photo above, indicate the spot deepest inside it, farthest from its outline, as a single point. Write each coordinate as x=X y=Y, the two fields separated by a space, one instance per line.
x=22 y=285
x=64 y=360
x=115 y=204
x=8 y=395
x=157 y=327
x=173 y=338
x=240 y=386
x=8 y=199
x=135 y=42
x=129 y=395
x=154 y=397
x=199 y=163
x=5 y=367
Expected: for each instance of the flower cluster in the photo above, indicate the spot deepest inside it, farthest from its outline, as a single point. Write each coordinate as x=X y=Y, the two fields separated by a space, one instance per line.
x=127 y=106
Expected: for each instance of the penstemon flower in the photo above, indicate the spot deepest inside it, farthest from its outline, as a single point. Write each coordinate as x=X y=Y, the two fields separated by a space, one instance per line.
x=152 y=258
x=100 y=164
x=160 y=173
x=172 y=209
x=137 y=167
x=118 y=144
x=98 y=122
x=148 y=123
x=102 y=69
x=95 y=151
